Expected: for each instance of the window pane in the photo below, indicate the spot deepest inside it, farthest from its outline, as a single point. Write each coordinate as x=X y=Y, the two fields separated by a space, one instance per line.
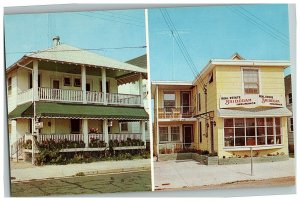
x=228 y=132
x=270 y=140
x=270 y=131
x=278 y=140
x=175 y=129
x=250 y=131
x=239 y=132
x=261 y=141
x=250 y=122
x=277 y=121
x=169 y=96
x=250 y=141
x=260 y=121
x=239 y=122
x=269 y=121
x=175 y=137
x=260 y=131
x=228 y=122
x=240 y=141
x=229 y=142
x=163 y=130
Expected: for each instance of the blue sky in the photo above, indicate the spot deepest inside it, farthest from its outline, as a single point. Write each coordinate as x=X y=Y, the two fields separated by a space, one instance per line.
x=87 y=30
x=217 y=32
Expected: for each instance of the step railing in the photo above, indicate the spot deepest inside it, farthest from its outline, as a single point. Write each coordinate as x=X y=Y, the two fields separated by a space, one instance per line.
x=16 y=149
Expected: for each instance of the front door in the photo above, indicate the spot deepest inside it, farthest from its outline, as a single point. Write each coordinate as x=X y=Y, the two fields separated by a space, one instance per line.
x=75 y=125
x=187 y=135
x=185 y=103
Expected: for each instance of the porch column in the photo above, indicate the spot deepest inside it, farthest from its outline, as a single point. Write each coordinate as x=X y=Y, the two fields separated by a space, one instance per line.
x=83 y=84
x=35 y=80
x=105 y=132
x=142 y=131
x=141 y=89
x=85 y=132
x=103 y=76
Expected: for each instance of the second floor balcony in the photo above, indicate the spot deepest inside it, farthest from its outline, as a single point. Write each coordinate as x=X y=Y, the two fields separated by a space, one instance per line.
x=176 y=112
x=77 y=96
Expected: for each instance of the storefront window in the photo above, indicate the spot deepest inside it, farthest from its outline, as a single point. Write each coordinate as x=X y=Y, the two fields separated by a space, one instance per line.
x=252 y=131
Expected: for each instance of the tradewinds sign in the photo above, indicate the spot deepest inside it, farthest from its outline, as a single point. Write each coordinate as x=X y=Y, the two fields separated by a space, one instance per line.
x=250 y=101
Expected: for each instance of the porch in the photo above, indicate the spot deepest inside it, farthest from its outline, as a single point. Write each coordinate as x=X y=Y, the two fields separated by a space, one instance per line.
x=77 y=96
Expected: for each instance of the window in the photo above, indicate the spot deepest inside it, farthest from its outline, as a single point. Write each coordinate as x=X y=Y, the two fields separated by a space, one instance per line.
x=30 y=81
x=200 y=132
x=123 y=126
x=199 y=102
x=211 y=78
x=9 y=86
x=77 y=82
x=67 y=81
x=163 y=134
x=252 y=131
x=251 y=82
x=169 y=99
x=175 y=133
x=290 y=98
x=291 y=125
x=146 y=126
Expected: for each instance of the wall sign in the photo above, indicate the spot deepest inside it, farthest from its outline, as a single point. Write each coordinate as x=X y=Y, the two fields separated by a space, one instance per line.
x=250 y=101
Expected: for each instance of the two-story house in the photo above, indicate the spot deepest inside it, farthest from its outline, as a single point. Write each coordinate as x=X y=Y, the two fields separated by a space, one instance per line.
x=232 y=105
x=67 y=93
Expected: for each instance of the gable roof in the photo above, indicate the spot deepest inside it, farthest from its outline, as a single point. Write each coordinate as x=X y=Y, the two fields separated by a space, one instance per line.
x=140 y=61
x=68 y=54
x=237 y=56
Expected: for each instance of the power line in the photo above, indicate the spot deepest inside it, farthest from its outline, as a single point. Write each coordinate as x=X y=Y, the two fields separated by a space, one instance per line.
x=181 y=46
x=92 y=16
x=268 y=25
x=117 y=15
x=89 y=49
x=261 y=27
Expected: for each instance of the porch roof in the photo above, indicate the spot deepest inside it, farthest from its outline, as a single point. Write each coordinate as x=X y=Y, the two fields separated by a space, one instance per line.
x=255 y=112
x=79 y=111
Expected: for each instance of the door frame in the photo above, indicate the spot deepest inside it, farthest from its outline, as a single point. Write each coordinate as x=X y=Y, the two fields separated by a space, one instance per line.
x=183 y=132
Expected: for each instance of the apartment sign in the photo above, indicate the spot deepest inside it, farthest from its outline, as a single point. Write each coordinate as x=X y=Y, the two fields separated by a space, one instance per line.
x=250 y=101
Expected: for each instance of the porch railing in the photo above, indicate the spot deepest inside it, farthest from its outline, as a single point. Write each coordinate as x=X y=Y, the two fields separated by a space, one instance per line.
x=96 y=136
x=61 y=137
x=25 y=96
x=94 y=97
x=124 y=136
x=168 y=148
x=60 y=95
x=176 y=112
x=123 y=99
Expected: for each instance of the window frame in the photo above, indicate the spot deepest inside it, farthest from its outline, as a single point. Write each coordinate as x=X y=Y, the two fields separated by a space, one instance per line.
x=163 y=99
x=164 y=141
x=171 y=133
x=291 y=124
x=65 y=81
x=243 y=81
x=290 y=98
x=74 y=84
x=126 y=128
x=256 y=136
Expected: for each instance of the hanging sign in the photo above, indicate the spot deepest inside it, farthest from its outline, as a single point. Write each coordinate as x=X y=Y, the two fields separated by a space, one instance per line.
x=250 y=101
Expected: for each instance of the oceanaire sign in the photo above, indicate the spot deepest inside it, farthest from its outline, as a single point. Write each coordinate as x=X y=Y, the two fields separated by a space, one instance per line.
x=250 y=101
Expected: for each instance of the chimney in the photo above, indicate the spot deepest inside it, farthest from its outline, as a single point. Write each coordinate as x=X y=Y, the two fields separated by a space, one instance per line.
x=56 y=41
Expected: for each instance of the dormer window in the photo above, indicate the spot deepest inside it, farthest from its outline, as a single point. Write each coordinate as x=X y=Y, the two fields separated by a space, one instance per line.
x=251 y=81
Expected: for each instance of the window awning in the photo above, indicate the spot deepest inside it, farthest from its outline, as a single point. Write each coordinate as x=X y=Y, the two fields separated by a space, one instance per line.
x=255 y=112
x=78 y=111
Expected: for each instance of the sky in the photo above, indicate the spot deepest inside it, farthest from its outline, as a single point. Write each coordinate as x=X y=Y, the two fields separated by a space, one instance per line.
x=216 y=32
x=87 y=30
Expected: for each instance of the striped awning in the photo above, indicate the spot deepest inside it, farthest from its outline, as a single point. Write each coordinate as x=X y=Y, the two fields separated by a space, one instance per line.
x=79 y=111
x=255 y=112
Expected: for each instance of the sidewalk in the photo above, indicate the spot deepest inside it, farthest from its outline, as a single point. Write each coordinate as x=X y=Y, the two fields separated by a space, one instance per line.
x=102 y=167
x=189 y=173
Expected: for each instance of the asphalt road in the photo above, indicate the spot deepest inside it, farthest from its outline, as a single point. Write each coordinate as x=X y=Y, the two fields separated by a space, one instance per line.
x=110 y=183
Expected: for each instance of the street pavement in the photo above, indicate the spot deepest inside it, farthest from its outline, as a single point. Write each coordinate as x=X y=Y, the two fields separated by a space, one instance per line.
x=189 y=173
x=57 y=171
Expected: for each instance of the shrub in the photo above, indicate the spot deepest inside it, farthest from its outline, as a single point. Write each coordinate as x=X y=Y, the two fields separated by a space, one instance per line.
x=27 y=144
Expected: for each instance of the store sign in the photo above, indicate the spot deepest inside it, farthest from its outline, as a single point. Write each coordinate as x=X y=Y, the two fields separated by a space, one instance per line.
x=250 y=101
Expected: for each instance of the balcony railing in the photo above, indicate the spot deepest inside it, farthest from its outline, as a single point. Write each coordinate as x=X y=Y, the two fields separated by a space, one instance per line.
x=176 y=112
x=64 y=95
x=25 y=96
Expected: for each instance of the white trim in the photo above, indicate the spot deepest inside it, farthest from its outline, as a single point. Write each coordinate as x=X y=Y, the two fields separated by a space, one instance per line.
x=177 y=119
x=258 y=72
